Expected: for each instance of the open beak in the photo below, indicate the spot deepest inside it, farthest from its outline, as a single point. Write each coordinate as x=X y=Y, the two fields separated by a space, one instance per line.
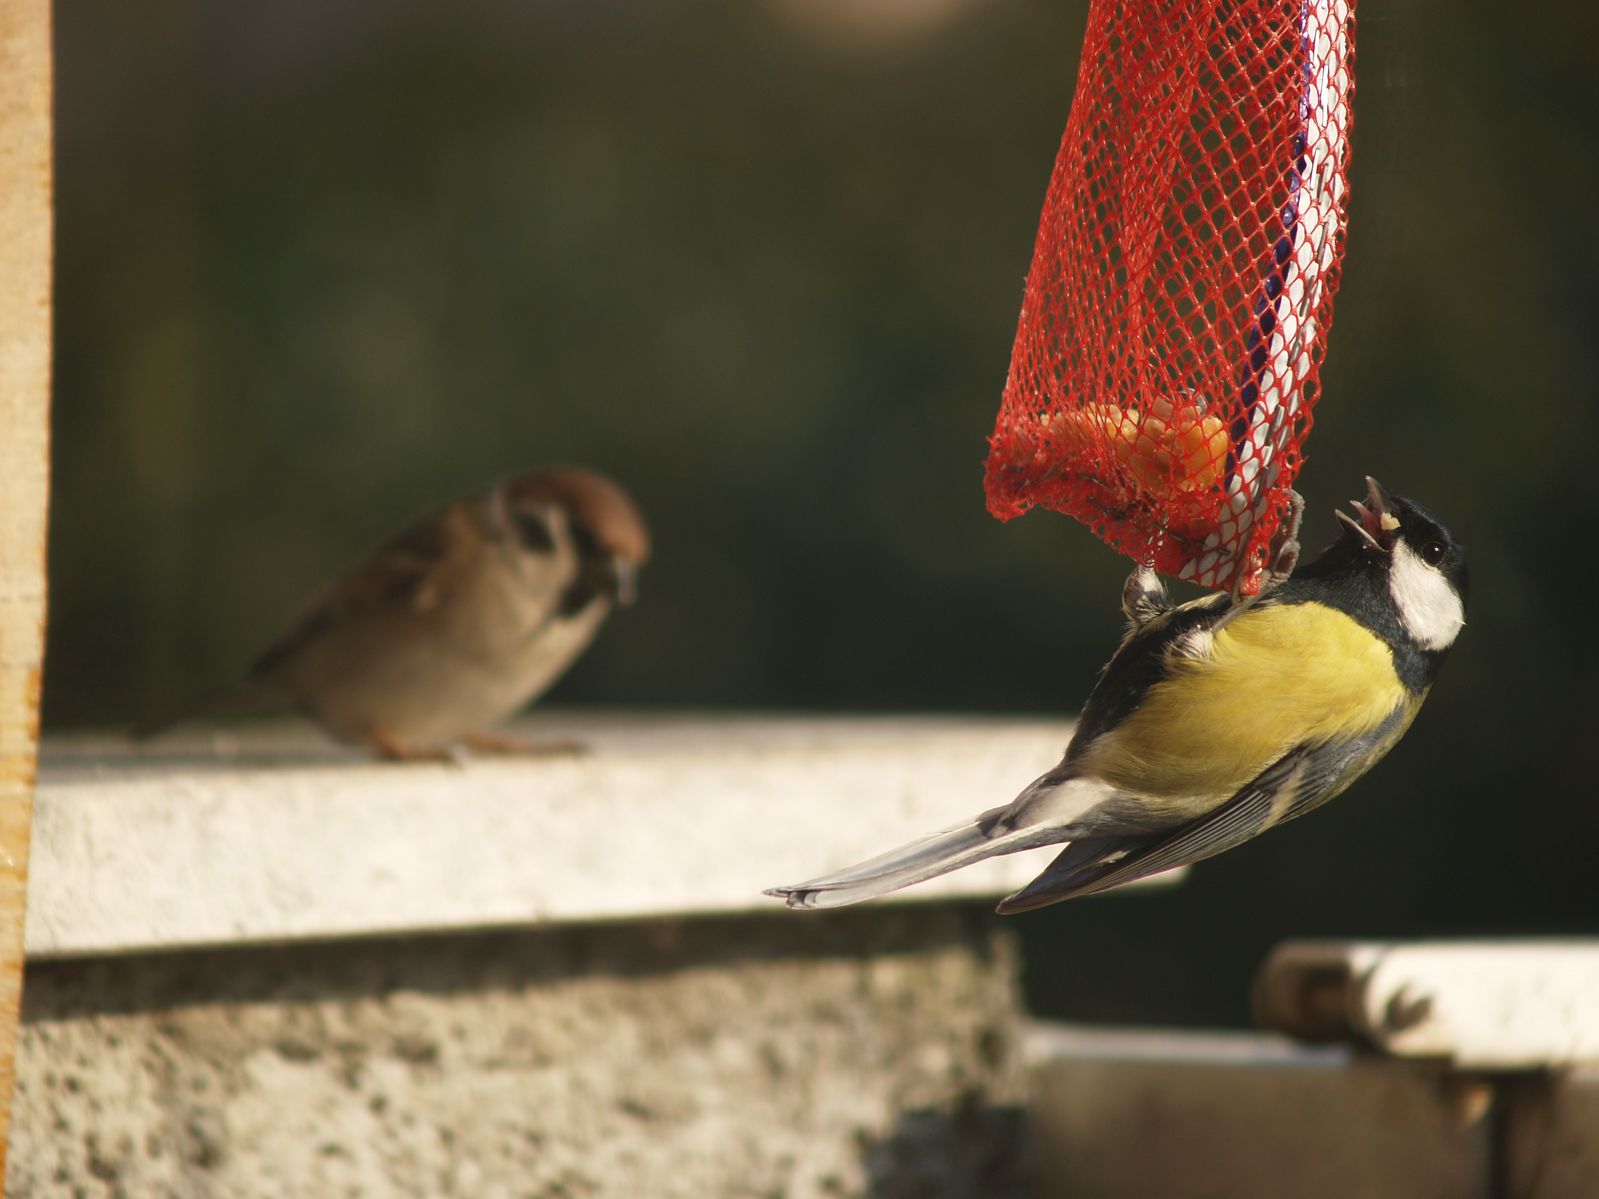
x=1377 y=523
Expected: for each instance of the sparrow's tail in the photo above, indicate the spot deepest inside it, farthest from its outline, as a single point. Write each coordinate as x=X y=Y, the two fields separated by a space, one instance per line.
x=990 y=834
x=248 y=699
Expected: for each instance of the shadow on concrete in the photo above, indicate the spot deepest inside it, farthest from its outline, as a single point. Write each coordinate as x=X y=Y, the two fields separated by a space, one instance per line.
x=974 y=1150
x=444 y=964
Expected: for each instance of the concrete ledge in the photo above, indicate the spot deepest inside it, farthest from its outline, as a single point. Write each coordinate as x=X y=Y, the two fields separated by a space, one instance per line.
x=1146 y=1114
x=274 y=834
x=1522 y=1004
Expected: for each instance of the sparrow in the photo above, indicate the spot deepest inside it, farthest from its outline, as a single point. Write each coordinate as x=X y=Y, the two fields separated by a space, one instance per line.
x=1220 y=718
x=463 y=618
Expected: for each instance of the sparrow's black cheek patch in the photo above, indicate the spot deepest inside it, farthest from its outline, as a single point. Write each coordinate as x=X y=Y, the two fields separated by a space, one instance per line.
x=533 y=532
x=578 y=596
x=588 y=545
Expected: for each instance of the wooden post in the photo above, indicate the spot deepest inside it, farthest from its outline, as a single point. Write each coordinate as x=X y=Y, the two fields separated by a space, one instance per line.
x=25 y=254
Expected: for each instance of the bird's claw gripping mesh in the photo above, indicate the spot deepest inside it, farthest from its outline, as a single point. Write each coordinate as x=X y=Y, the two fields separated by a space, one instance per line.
x=1175 y=314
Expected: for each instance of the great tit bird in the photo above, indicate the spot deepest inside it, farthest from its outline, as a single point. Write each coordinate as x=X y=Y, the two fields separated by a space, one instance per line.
x=1220 y=718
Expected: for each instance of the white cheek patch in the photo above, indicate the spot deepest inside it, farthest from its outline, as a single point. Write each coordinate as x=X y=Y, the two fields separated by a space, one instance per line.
x=1428 y=605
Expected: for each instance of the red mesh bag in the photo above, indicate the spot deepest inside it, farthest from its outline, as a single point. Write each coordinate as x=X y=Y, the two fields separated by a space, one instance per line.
x=1176 y=311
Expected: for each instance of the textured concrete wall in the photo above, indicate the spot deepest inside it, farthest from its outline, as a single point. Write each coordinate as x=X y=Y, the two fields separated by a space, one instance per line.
x=869 y=1053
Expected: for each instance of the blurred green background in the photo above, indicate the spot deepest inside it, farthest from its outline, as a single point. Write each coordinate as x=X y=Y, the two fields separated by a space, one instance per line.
x=322 y=266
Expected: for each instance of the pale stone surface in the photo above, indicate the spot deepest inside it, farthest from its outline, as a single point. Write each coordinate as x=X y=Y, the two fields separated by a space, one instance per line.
x=274 y=834
x=1248 y=1116
x=1524 y=1004
x=866 y=1053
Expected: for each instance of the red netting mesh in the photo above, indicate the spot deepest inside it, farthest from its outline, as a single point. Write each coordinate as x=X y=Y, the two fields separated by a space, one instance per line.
x=1175 y=316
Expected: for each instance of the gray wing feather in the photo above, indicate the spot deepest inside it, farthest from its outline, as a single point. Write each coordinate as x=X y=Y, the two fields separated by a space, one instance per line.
x=1298 y=782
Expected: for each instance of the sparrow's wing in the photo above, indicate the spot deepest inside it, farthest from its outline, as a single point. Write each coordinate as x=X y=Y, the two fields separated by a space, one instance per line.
x=1301 y=780
x=405 y=573
x=410 y=572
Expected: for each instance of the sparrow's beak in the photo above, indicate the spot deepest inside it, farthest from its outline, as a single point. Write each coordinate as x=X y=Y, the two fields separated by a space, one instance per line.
x=624 y=580
x=1377 y=523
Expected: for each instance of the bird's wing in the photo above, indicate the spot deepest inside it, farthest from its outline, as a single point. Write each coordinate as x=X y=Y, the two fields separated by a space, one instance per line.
x=1132 y=671
x=410 y=572
x=1099 y=863
x=1301 y=780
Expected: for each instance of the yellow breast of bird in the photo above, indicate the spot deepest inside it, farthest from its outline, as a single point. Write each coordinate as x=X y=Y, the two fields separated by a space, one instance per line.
x=1269 y=680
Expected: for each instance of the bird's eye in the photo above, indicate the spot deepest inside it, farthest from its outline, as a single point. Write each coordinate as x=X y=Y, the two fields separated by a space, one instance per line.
x=1432 y=553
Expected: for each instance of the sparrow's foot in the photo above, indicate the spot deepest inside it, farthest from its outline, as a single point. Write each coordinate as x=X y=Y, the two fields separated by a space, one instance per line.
x=508 y=743
x=392 y=750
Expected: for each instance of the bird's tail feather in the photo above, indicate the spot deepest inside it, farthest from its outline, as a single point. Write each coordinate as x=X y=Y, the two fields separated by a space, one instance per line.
x=248 y=699
x=985 y=837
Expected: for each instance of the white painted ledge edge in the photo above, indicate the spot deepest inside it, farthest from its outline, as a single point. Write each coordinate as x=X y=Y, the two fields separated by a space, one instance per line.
x=1522 y=1004
x=273 y=834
